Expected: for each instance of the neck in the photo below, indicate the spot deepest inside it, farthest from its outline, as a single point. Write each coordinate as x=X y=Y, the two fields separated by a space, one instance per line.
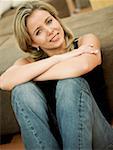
x=60 y=50
x=55 y=52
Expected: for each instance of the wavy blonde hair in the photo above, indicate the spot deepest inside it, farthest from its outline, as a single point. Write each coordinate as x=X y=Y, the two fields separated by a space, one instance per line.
x=21 y=31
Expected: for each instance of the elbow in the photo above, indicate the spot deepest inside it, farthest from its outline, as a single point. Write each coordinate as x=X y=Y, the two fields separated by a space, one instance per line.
x=87 y=67
x=90 y=64
x=100 y=60
x=4 y=85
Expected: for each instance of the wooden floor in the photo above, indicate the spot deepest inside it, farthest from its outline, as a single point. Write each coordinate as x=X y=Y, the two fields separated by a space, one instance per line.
x=15 y=144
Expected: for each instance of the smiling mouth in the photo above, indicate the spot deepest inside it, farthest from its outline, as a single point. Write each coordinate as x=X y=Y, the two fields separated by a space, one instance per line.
x=55 y=38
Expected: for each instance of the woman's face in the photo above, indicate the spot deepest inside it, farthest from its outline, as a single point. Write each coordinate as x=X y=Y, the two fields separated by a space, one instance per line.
x=45 y=31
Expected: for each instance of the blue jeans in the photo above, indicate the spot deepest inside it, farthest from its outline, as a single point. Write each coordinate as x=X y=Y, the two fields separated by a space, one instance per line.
x=81 y=124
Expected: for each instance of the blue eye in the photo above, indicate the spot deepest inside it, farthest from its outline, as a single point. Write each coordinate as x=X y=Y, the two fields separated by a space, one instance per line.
x=38 y=32
x=49 y=21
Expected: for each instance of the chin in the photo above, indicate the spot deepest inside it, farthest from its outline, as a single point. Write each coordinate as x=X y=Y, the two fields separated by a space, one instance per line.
x=58 y=43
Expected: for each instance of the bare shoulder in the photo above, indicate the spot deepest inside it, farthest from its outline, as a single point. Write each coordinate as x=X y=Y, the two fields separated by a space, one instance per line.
x=23 y=61
x=89 y=39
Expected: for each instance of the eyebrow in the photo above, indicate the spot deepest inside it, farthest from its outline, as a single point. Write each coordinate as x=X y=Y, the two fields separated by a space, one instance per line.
x=39 y=26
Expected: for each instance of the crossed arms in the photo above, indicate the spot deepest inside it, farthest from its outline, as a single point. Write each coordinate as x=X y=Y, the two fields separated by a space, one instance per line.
x=70 y=64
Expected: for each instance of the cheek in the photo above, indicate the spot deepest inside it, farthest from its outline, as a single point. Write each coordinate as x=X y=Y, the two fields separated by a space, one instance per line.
x=61 y=30
x=56 y=25
x=40 y=39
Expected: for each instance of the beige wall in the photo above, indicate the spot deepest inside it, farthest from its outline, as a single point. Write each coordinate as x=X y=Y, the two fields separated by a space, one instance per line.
x=98 y=4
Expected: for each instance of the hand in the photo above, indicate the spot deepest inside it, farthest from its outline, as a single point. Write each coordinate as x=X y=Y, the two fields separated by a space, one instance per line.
x=81 y=50
x=62 y=57
x=87 y=49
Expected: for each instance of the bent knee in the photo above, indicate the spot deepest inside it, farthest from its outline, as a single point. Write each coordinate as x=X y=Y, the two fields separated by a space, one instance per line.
x=72 y=83
x=21 y=92
x=23 y=89
x=28 y=95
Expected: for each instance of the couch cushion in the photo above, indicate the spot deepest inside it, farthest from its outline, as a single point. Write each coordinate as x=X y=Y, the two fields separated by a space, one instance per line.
x=9 y=53
x=3 y=39
x=6 y=23
x=8 y=124
x=100 y=23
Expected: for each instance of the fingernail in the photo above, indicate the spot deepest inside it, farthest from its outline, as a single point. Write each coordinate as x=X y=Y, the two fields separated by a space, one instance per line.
x=91 y=45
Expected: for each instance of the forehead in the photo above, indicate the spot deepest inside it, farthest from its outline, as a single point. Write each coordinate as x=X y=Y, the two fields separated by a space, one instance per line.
x=37 y=16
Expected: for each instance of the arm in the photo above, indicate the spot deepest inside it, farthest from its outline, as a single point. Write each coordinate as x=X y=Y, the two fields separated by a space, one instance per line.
x=24 y=70
x=76 y=66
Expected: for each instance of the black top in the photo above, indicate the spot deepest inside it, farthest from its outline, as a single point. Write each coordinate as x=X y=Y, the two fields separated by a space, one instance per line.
x=95 y=79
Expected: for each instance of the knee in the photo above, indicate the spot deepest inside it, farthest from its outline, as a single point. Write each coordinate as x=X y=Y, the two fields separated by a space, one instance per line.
x=71 y=84
x=23 y=93
x=69 y=90
x=29 y=97
x=22 y=89
x=70 y=93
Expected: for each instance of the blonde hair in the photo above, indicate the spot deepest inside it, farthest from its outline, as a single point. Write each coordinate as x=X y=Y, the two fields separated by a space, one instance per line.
x=21 y=32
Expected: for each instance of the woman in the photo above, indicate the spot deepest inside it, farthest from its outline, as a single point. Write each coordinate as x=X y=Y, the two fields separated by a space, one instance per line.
x=51 y=97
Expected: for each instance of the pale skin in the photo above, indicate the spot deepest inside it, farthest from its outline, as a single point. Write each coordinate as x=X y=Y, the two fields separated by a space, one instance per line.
x=47 y=33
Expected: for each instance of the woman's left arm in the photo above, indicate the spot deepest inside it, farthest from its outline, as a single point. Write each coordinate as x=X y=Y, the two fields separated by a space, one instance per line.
x=76 y=66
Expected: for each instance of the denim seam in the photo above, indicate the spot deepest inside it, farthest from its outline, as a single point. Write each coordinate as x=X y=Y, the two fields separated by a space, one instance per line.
x=30 y=126
x=81 y=109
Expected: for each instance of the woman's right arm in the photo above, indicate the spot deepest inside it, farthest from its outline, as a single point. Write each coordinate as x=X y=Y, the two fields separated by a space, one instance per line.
x=23 y=71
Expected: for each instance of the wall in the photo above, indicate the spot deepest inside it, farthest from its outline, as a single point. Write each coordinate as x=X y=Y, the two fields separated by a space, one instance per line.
x=98 y=4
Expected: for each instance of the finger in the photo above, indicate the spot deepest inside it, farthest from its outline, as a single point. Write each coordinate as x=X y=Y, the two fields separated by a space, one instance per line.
x=91 y=45
x=94 y=51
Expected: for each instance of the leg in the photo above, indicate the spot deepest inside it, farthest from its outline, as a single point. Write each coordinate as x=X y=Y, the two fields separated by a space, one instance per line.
x=31 y=110
x=81 y=124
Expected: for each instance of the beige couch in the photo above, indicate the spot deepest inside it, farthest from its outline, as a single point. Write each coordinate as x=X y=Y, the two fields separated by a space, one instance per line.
x=99 y=23
x=9 y=52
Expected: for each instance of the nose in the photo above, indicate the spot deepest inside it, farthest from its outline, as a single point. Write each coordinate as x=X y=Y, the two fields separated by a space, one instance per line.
x=49 y=30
